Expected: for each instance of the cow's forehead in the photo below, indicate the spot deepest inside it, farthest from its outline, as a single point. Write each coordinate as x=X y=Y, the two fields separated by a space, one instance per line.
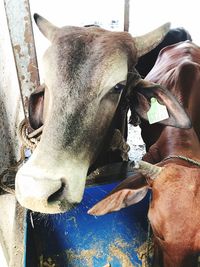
x=93 y=42
x=184 y=47
x=92 y=32
x=89 y=54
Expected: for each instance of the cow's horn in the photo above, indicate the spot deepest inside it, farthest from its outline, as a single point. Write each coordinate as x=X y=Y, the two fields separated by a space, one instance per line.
x=149 y=41
x=46 y=27
x=148 y=169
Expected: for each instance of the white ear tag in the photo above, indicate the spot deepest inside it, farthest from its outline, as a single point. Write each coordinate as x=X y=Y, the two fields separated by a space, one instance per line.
x=157 y=112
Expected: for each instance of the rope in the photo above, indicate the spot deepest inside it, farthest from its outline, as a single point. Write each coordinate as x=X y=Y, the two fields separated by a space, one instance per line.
x=119 y=143
x=195 y=162
x=11 y=169
x=3 y=186
x=28 y=141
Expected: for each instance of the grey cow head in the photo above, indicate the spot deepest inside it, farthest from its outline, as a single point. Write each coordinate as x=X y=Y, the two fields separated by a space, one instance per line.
x=82 y=68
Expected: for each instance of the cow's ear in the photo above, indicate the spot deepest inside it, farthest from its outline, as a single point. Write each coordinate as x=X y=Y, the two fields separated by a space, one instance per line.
x=36 y=106
x=140 y=103
x=130 y=191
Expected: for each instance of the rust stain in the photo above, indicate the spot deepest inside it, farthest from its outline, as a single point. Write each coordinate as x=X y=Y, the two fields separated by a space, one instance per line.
x=32 y=68
x=27 y=34
x=17 y=48
x=33 y=71
x=26 y=102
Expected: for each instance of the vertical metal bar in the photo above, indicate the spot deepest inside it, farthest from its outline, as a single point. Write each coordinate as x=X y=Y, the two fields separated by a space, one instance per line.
x=126 y=15
x=23 y=45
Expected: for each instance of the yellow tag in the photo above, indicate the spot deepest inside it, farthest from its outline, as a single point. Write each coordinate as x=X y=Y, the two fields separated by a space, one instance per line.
x=157 y=112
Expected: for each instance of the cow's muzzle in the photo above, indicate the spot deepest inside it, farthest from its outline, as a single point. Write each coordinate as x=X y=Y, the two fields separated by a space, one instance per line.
x=42 y=194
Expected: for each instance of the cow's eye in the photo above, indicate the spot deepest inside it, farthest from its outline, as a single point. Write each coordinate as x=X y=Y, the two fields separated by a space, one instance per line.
x=118 y=88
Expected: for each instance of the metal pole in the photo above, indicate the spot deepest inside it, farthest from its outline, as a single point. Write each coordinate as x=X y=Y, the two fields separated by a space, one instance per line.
x=126 y=15
x=23 y=45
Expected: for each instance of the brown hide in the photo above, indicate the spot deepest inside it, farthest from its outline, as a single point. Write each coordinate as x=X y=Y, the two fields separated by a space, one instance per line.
x=177 y=69
x=146 y=62
x=174 y=215
x=174 y=211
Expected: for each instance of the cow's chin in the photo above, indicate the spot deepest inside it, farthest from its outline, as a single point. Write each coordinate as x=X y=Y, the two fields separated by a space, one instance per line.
x=43 y=206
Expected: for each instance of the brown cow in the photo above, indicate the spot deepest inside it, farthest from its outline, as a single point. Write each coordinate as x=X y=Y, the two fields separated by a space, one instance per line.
x=146 y=62
x=86 y=70
x=174 y=212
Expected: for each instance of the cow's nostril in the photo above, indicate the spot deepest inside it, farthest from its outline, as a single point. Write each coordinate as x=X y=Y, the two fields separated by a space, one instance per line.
x=58 y=195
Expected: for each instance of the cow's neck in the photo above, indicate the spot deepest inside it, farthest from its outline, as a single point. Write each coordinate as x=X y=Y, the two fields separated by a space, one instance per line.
x=174 y=141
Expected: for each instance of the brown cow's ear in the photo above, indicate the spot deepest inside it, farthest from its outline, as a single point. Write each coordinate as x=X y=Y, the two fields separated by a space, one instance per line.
x=130 y=191
x=140 y=103
x=36 y=106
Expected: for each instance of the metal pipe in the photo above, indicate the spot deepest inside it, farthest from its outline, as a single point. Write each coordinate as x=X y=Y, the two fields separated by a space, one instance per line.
x=23 y=45
x=126 y=15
